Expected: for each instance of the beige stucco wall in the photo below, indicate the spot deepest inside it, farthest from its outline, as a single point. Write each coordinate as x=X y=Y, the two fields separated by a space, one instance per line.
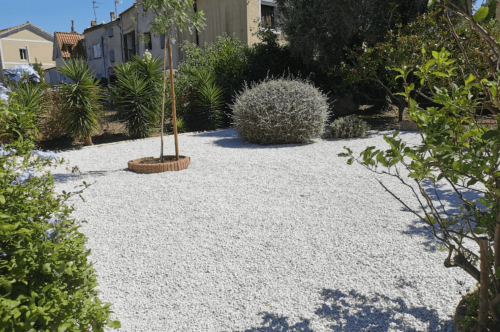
x=229 y=16
x=39 y=49
x=253 y=15
x=26 y=34
x=225 y=16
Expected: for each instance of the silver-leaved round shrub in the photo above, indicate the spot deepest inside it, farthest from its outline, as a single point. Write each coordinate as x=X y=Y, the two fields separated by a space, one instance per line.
x=280 y=111
x=348 y=127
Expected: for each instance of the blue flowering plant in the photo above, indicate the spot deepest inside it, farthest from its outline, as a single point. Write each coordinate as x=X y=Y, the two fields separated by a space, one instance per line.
x=46 y=280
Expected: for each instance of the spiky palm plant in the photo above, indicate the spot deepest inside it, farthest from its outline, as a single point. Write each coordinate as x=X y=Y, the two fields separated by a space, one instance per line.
x=206 y=111
x=81 y=98
x=137 y=92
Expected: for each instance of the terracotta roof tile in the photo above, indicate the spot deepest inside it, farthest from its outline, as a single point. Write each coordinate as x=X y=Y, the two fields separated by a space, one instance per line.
x=74 y=40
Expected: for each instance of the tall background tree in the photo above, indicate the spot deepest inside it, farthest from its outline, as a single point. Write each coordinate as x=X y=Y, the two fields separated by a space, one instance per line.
x=170 y=17
x=323 y=29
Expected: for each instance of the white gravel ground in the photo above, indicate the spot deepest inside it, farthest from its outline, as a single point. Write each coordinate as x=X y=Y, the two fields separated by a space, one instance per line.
x=259 y=238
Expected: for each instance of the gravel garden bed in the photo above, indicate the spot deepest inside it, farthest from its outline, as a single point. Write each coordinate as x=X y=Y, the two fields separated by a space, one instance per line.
x=259 y=238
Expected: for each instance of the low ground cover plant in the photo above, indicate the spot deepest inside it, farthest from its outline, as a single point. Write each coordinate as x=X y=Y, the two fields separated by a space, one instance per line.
x=279 y=111
x=46 y=280
x=348 y=127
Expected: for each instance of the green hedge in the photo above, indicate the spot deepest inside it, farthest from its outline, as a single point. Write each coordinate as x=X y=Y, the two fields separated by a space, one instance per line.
x=46 y=280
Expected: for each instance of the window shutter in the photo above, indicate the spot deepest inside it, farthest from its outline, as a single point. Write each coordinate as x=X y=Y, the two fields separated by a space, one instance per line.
x=97 y=51
x=110 y=32
x=112 y=56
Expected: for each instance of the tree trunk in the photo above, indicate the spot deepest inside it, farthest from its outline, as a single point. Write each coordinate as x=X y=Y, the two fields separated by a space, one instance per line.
x=401 y=107
x=172 y=93
x=484 y=302
x=163 y=101
x=88 y=141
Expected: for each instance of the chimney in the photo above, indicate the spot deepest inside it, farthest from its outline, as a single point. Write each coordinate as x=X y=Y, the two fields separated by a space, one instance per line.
x=72 y=26
x=93 y=23
x=112 y=15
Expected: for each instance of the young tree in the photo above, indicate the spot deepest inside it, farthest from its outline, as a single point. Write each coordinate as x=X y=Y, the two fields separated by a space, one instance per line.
x=171 y=16
x=322 y=29
x=456 y=151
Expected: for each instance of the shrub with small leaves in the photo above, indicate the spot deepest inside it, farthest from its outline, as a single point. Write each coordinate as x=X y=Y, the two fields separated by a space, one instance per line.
x=348 y=127
x=46 y=280
x=279 y=111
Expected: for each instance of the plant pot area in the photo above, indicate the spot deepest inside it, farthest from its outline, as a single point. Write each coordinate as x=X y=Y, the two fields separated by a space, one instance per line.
x=466 y=313
x=150 y=165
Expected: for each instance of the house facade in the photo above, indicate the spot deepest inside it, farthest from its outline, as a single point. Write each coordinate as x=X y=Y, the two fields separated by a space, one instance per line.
x=110 y=44
x=25 y=44
x=234 y=16
x=67 y=45
x=103 y=45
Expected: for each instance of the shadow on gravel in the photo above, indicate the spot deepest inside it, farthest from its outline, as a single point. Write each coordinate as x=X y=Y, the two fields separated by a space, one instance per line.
x=231 y=139
x=357 y=312
x=446 y=201
x=63 y=178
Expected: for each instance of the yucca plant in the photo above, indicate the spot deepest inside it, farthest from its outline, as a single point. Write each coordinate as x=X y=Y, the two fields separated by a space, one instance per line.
x=137 y=92
x=81 y=99
x=205 y=113
x=29 y=96
x=26 y=102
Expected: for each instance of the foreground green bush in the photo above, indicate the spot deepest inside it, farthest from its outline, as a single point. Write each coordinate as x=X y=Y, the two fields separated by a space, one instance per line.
x=18 y=119
x=278 y=111
x=46 y=282
x=457 y=159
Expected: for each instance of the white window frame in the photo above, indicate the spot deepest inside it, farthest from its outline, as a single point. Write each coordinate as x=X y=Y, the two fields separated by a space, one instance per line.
x=270 y=3
x=23 y=50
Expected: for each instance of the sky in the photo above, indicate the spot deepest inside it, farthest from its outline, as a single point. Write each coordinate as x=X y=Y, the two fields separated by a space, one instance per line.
x=56 y=15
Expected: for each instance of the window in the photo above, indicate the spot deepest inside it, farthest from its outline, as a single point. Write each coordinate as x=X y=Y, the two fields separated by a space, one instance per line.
x=267 y=16
x=129 y=45
x=68 y=48
x=97 y=51
x=125 y=47
x=23 y=53
x=110 y=32
x=149 y=41
x=89 y=53
x=112 y=56
x=162 y=41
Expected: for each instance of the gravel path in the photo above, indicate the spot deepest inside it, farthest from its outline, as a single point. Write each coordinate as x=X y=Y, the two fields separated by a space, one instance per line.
x=259 y=238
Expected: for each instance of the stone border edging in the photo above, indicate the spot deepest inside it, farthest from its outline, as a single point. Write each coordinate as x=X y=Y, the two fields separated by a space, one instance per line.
x=136 y=166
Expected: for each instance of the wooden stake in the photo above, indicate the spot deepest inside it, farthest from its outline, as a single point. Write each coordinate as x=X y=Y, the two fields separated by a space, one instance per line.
x=163 y=102
x=484 y=303
x=172 y=93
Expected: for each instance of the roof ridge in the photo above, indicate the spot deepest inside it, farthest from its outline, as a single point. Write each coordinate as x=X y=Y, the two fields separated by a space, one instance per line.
x=26 y=24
